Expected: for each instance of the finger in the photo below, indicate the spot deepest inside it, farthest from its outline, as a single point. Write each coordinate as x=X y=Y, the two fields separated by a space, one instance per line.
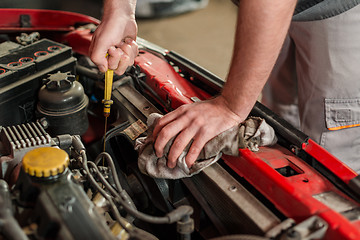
x=167 y=132
x=163 y=121
x=195 y=149
x=123 y=64
x=130 y=47
x=127 y=48
x=133 y=47
x=93 y=39
x=126 y=60
x=114 y=57
x=178 y=146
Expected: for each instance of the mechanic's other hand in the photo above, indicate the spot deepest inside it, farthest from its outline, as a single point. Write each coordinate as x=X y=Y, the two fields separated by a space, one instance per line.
x=200 y=122
x=115 y=35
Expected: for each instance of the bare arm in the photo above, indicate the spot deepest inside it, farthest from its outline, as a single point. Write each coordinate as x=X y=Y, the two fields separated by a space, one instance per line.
x=115 y=36
x=261 y=29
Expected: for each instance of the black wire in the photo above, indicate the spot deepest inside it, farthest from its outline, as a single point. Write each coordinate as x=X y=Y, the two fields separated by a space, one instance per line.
x=114 y=131
x=129 y=209
x=171 y=217
x=116 y=128
x=123 y=194
x=105 y=194
x=125 y=203
x=106 y=184
x=112 y=168
x=133 y=231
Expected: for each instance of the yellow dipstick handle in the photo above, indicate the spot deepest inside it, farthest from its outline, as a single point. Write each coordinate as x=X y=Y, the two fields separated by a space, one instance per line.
x=109 y=75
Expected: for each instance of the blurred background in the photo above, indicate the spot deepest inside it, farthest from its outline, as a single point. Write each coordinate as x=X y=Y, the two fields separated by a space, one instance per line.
x=204 y=35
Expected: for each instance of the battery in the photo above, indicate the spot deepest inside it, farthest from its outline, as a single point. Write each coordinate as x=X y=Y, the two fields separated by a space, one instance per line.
x=22 y=70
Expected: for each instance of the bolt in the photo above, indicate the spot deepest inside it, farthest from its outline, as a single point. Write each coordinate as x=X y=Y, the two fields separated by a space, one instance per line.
x=233 y=188
x=54 y=48
x=44 y=123
x=318 y=224
x=14 y=64
x=293 y=234
x=26 y=59
x=40 y=53
x=67 y=203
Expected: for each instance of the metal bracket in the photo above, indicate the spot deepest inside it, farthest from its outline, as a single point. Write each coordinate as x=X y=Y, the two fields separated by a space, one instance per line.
x=312 y=228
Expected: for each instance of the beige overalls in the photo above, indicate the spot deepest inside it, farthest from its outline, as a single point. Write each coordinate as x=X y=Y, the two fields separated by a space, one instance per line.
x=316 y=81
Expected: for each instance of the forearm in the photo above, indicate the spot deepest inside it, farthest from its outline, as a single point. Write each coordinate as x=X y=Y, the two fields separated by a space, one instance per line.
x=119 y=8
x=261 y=29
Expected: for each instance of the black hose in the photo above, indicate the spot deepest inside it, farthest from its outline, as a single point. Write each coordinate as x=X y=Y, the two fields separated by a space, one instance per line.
x=126 y=205
x=112 y=168
x=134 y=232
x=114 y=210
x=79 y=146
x=113 y=131
x=9 y=227
x=123 y=194
x=81 y=70
x=172 y=217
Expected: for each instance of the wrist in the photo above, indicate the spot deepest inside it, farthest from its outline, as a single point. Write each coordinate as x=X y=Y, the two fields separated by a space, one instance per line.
x=224 y=103
x=239 y=106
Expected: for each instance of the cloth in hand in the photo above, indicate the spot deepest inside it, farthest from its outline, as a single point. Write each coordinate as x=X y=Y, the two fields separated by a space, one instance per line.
x=251 y=133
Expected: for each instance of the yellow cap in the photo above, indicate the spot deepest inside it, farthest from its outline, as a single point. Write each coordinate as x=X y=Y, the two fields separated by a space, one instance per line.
x=45 y=162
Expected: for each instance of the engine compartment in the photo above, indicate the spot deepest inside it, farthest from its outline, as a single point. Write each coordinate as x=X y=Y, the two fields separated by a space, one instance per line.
x=58 y=183
x=44 y=108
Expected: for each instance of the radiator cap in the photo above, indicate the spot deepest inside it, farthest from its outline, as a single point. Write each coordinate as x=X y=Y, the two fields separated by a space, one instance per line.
x=45 y=162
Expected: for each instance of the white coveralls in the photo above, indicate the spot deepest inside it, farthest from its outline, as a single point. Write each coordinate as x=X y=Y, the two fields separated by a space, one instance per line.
x=316 y=81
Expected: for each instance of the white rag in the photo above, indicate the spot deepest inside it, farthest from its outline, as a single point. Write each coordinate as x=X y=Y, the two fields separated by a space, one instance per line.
x=251 y=133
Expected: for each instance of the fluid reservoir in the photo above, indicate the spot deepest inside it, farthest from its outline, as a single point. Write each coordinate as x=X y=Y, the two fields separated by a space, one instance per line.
x=45 y=162
x=63 y=103
x=41 y=167
x=63 y=210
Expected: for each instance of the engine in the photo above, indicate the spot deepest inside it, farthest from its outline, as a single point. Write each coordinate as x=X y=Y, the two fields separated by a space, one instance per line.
x=50 y=128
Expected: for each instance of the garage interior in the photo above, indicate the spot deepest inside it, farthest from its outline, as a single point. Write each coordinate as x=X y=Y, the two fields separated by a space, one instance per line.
x=291 y=190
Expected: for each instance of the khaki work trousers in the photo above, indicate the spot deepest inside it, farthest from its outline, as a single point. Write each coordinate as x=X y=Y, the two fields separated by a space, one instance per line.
x=315 y=84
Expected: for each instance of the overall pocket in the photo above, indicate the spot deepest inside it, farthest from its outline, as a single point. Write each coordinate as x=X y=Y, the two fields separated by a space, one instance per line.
x=342 y=118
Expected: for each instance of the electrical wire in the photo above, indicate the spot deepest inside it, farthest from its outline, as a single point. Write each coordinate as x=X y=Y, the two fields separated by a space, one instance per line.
x=172 y=217
x=114 y=131
x=178 y=214
x=123 y=195
x=114 y=210
x=133 y=231
x=111 y=164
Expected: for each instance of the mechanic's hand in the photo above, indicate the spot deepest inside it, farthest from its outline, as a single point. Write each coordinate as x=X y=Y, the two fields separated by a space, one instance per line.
x=115 y=36
x=200 y=121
